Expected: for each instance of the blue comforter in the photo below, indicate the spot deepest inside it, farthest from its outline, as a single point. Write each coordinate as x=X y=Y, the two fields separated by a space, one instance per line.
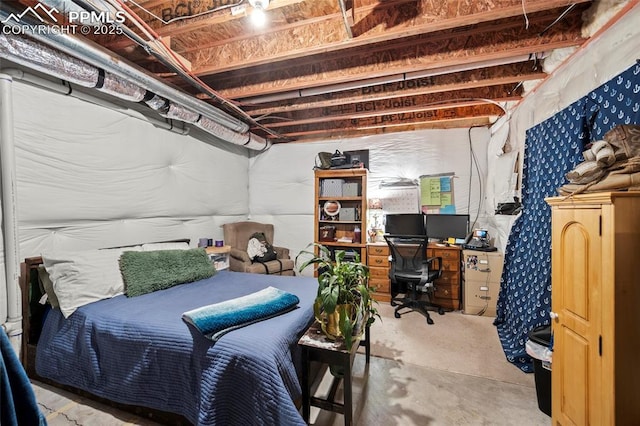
x=139 y=351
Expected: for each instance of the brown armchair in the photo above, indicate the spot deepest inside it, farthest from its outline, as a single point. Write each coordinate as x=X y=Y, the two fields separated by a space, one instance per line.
x=237 y=236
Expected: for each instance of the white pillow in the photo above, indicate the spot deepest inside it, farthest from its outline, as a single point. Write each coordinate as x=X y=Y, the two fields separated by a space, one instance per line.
x=165 y=246
x=47 y=286
x=84 y=277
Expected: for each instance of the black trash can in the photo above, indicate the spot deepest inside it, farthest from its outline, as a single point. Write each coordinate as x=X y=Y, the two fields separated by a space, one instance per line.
x=539 y=340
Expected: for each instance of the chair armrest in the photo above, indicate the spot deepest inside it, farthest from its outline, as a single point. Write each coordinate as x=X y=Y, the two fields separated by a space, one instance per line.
x=240 y=255
x=439 y=259
x=282 y=252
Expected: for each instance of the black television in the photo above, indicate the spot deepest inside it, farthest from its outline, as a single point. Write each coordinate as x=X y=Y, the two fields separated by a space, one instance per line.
x=404 y=224
x=444 y=226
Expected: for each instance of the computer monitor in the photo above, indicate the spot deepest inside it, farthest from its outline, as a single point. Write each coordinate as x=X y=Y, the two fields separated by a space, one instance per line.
x=405 y=224
x=444 y=226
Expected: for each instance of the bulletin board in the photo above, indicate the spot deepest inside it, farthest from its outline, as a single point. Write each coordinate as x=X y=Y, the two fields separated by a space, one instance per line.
x=436 y=193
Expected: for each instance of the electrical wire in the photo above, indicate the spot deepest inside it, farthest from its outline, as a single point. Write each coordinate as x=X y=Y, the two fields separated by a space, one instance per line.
x=474 y=161
x=526 y=18
x=562 y=15
x=180 y=18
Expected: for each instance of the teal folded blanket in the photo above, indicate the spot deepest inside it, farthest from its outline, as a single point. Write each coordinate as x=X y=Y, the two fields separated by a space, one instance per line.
x=218 y=319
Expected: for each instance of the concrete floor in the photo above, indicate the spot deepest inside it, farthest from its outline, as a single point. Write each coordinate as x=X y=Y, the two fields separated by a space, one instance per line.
x=409 y=388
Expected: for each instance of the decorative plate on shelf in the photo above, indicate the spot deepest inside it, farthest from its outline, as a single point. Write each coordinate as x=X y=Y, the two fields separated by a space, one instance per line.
x=331 y=208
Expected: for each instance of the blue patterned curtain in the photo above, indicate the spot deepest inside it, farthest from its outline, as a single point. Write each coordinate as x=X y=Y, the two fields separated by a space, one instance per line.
x=552 y=148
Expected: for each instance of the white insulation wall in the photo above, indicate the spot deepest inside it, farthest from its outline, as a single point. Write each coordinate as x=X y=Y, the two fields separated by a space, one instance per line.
x=90 y=177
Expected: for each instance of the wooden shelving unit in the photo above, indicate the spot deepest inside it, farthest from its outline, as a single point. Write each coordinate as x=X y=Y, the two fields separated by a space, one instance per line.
x=347 y=188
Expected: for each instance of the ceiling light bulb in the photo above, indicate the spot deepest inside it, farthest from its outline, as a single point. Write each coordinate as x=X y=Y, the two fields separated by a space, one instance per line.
x=258 y=17
x=259 y=4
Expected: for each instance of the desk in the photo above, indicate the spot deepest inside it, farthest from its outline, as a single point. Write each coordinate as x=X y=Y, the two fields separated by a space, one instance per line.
x=316 y=347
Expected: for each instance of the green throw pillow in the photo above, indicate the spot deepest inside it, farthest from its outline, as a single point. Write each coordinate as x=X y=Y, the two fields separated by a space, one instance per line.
x=147 y=271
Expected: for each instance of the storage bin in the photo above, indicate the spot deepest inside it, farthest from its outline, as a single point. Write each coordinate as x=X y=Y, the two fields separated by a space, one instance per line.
x=331 y=187
x=350 y=189
x=348 y=213
x=538 y=348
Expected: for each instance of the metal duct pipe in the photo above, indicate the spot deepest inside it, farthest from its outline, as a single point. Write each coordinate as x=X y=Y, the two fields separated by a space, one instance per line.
x=120 y=88
x=180 y=113
x=97 y=57
x=392 y=78
x=9 y=208
x=248 y=140
x=63 y=89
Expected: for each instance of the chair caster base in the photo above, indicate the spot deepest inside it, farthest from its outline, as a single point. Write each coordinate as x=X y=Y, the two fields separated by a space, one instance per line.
x=429 y=321
x=396 y=314
x=440 y=311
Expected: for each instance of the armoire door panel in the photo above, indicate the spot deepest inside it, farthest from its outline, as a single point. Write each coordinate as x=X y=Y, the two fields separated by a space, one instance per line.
x=574 y=255
x=575 y=401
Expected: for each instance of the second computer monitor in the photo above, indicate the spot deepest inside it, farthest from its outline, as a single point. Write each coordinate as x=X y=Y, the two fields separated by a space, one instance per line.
x=444 y=226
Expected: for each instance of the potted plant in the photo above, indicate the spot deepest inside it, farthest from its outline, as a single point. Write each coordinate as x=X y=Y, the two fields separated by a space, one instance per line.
x=343 y=306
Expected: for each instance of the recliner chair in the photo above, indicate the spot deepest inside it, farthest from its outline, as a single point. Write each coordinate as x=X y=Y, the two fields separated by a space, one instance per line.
x=238 y=234
x=411 y=266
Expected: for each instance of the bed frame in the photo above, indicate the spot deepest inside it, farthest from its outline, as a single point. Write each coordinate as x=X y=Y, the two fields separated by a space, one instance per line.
x=32 y=316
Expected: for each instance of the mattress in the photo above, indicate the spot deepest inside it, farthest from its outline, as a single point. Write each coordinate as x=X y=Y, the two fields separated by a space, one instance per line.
x=139 y=351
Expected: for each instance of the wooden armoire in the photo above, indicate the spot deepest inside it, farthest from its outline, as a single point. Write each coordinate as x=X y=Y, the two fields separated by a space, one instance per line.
x=595 y=309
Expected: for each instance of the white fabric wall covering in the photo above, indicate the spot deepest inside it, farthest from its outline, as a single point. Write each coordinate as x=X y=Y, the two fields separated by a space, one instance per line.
x=608 y=54
x=91 y=177
x=281 y=179
x=501 y=185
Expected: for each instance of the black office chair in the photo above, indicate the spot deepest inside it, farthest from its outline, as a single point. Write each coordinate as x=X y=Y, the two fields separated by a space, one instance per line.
x=411 y=266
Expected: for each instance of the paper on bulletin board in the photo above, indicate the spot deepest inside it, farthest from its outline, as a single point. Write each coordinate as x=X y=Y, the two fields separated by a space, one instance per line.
x=436 y=193
x=401 y=200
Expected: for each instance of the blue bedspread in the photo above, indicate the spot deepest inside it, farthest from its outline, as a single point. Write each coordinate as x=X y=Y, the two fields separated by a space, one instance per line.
x=139 y=351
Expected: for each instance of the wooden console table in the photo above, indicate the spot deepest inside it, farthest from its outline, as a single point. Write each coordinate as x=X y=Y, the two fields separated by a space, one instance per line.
x=316 y=347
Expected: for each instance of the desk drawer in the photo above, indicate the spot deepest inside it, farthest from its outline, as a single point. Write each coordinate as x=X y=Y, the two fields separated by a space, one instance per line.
x=447 y=291
x=378 y=261
x=378 y=250
x=444 y=254
x=450 y=265
x=449 y=278
x=379 y=272
x=382 y=285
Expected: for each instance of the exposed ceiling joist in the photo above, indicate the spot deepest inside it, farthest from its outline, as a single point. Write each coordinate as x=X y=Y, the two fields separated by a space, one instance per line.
x=325 y=69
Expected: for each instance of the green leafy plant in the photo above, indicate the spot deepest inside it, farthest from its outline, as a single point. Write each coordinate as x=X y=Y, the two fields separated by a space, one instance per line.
x=343 y=289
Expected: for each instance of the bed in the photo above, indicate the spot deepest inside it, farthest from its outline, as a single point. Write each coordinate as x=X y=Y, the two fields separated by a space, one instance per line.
x=139 y=351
